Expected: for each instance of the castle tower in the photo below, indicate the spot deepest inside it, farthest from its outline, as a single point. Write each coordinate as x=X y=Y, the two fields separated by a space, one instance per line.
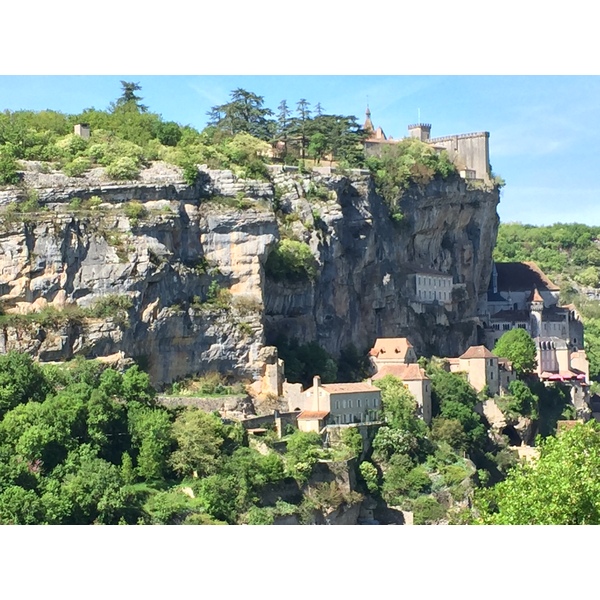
x=421 y=131
x=536 y=306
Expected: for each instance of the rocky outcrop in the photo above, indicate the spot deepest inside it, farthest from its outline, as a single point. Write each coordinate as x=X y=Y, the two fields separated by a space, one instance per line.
x=170 y=259
x=363 y=290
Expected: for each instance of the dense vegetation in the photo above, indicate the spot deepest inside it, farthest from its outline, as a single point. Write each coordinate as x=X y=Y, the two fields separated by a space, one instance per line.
x=84 y=444
x=561 y=488
x=410 y=161
x=126 y=136
x=568 y=250
x=242 y=135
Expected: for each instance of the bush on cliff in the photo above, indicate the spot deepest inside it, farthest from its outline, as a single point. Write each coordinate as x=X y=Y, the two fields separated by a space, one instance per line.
x=291 y=261
x=407 y=162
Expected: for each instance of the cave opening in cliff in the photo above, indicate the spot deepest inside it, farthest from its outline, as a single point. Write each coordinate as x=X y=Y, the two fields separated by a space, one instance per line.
x=513 y=437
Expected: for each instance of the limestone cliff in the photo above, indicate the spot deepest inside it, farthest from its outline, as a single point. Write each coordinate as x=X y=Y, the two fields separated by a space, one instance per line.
x=169 y=247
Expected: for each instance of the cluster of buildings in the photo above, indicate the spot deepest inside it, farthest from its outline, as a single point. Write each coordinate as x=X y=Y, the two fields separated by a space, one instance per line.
x=520 y=295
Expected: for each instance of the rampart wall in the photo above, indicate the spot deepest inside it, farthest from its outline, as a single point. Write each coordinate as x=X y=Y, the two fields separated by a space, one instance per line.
x=472 y=149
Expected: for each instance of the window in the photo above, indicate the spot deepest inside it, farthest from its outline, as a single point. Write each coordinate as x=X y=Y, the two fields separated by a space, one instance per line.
x=349 y=403
x=358 y=403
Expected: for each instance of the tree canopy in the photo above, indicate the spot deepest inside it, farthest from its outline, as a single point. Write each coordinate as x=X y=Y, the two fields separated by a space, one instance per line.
x=562 y=487
x=518 y=346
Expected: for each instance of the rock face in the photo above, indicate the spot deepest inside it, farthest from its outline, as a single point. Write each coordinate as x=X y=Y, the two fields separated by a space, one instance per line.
x=171 y=257
x=363 y=290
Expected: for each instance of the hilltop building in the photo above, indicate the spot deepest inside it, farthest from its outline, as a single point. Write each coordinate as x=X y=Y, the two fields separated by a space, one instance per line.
x=468 y=151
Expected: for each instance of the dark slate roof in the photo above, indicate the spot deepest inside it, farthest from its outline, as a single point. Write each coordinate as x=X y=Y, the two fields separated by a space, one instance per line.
x=523 y=277
x=491 y=297
x=511 y=316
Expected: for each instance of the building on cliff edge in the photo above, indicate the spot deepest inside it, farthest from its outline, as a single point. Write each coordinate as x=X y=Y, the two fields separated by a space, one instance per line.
x=470 y=152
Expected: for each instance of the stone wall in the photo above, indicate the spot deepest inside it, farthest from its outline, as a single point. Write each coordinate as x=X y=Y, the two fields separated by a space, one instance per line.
x=471 y=149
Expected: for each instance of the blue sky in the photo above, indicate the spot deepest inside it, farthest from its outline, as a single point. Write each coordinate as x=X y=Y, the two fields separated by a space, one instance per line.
x=543 y=129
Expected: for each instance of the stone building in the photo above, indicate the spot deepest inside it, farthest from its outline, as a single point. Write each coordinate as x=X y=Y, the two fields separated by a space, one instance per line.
x=82 y=130
x=468 y=151
x=484 y=369
x=432 y=286
x=397 y=357
x=392 y=351
x=339 y=403
x=520 y=295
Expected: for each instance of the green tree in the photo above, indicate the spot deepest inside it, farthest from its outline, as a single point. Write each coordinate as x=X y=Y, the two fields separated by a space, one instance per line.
x=291 y=261
x=317 y=146
x=303 y=451
x=129 y=98
x=151 y=435
x=399 y=405
x=20 y=507
x=562 y=487
x=519 y=348
x=8 y=167
x=199 y=437
x=21 y=380
x=301 y=124
x=244 y=113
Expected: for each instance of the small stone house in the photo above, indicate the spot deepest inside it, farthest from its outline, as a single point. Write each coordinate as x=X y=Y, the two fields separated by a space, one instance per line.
x=344 y=402
x=312 y=420
x=481 y=367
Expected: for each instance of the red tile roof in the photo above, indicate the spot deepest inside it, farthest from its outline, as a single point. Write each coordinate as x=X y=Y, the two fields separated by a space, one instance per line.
x=313 y=414
x=535 y=296
x=349 y=388
x=410 y=372
x=478 y=352
x=390 y=347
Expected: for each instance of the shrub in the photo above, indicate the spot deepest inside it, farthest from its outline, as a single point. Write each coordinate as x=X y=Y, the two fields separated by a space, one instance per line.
x=291 y=261
x=352 y=440
x=77 y=167
x=369 y=474
x=135 y=211
x=71 y=145
x=427 y=510
x=123 y=168
x=8 y=169
x=113 y=305
x=190 y=172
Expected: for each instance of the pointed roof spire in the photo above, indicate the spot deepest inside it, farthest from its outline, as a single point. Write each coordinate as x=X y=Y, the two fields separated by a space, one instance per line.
x=536 y=296
x=368 y=126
